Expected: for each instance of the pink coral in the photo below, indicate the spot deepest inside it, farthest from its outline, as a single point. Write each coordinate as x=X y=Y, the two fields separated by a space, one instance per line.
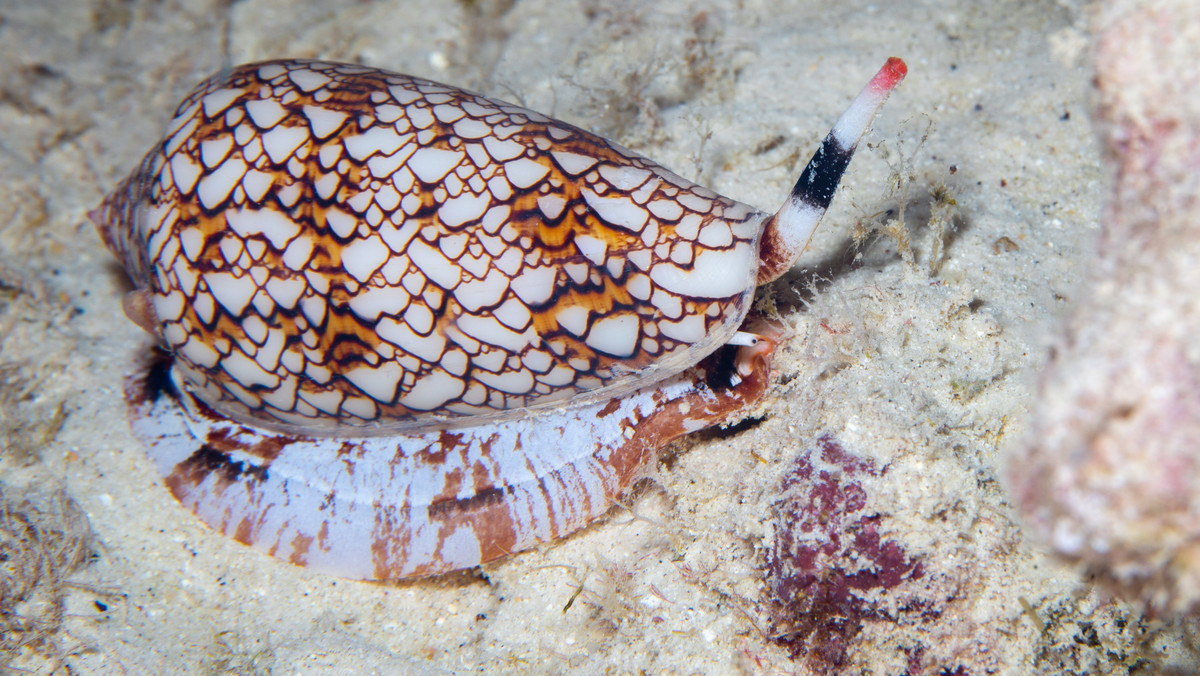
x=1111 y=474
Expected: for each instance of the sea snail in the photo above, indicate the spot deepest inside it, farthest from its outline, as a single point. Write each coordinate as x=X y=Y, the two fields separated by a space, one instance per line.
x=411 y=329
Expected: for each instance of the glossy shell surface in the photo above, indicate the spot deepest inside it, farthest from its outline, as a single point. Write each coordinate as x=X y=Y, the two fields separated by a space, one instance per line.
x=328 y=246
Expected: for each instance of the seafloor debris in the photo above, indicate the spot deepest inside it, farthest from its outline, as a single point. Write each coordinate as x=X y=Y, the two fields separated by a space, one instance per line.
x=42 y=541
x=1110 y=476
x=832 y=569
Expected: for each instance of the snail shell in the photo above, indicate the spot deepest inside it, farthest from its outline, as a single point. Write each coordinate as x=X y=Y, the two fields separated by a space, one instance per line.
x=420 y=328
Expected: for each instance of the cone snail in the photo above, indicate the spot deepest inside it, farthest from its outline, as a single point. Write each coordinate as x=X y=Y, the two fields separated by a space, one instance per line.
x=409 y=329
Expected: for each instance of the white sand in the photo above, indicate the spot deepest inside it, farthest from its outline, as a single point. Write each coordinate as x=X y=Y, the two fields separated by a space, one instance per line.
x=928 y=374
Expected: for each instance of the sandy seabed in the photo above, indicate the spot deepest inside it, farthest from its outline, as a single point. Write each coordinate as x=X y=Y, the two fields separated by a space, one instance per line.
x=907 y=382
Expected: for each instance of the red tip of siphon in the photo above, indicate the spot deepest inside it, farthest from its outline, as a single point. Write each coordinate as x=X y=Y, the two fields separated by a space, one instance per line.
x=890 y=75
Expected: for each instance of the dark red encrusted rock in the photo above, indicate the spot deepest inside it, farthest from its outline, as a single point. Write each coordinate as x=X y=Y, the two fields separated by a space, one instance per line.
x=831 y=569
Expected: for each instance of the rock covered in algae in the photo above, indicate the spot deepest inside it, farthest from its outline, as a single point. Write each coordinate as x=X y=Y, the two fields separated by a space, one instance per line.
x=1110 y=476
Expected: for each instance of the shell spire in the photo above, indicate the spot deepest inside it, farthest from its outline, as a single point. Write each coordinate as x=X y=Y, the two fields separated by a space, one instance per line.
x=788 y=232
